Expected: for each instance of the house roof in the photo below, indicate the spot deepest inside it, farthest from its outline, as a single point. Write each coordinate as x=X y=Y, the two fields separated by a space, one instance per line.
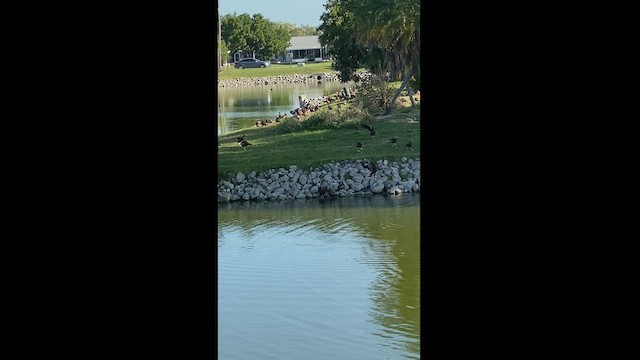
x=304 y=42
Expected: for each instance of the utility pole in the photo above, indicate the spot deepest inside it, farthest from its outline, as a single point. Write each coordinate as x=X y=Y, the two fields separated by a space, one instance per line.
x=219 y=41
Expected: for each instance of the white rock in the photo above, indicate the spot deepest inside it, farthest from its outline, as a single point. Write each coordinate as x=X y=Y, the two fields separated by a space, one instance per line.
x=240 y=177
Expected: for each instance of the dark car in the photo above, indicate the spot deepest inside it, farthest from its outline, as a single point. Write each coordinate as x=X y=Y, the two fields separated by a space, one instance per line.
x=251 y=63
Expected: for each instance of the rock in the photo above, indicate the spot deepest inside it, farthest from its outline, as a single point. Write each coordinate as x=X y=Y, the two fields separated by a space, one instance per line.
x=240 y=177
x=277 y=192
x=377 y=186
x=246 y=196
x=293 y=168
x=302 y=179
x=358 y=178
x=284 y=178
x=295 y=178
x=314 y=189
x=301 y=195
x=252 y=175
x=403 y=159
x=275 y=176
x=408 y=184
x=327 y=177
x=357 y=187
x=224 y=196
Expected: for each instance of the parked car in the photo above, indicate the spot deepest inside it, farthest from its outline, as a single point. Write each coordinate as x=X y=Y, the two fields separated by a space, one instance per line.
x=251 y=63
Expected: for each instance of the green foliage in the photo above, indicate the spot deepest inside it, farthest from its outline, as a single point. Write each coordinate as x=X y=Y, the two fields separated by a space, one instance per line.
x=376 y=96
x=381 y=35
x=338 y=34
x=254 y=34
x=223 y=51
x=323 y=120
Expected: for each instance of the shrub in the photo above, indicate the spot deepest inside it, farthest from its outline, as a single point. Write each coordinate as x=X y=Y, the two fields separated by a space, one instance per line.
x=375 y=95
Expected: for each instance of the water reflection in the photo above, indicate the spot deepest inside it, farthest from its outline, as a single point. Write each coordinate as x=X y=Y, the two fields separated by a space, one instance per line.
x=342 y=274
x=241 y=107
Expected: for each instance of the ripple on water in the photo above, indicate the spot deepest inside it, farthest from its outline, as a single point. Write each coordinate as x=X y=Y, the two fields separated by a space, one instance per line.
x=316 y=288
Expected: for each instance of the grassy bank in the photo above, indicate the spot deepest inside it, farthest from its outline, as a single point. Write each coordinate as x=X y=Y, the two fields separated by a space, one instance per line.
x=275 y=70
x=274 y=146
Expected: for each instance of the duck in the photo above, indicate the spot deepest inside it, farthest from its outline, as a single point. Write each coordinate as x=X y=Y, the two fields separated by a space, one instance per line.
x=393 y=141
x=359 y=146
x=370 y=128
x=409 y=146
x=244 y=144
x=241 y=139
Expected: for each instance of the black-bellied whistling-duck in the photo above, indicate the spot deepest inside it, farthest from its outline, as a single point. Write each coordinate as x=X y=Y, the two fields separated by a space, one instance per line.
x=359 y=146
x=241 y=138
x=409 y=146
x=370 y=128
x=244 y=144
x=393 y=141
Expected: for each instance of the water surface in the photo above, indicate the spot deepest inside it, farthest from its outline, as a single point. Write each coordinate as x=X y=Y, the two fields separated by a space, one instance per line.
x=307 y=279
x=240 y=107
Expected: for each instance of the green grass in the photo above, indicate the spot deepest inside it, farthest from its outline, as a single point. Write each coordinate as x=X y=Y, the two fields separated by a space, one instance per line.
x=275 y=70
x=273 y=148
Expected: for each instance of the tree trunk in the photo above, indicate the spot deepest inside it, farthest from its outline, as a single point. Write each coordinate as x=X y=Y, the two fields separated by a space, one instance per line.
x=410 y=91
x=405 y=81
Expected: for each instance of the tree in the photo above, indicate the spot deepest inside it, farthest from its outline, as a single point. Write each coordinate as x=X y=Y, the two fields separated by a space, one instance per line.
x=383 y=37
x=338 y=34
x=395 y=27
x=254 y=34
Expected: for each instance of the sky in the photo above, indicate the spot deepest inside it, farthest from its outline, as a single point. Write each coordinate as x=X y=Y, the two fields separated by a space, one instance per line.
x=297 y=12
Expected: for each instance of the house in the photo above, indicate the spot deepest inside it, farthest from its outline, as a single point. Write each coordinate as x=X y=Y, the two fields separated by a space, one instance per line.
x=305 y=48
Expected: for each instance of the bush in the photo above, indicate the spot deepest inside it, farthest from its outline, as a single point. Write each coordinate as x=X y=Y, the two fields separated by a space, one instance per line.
x=375 y=95
x=334 y=119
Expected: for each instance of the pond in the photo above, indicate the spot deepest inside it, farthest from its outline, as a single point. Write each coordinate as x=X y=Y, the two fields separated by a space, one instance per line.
x=240 y=107
x=310 y=279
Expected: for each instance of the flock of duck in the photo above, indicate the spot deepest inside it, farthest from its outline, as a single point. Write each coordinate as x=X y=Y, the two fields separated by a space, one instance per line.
x=312 y=105
x=372 y=131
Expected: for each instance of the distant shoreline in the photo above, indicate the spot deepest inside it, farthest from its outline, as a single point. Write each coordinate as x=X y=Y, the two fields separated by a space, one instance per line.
x=279 y=79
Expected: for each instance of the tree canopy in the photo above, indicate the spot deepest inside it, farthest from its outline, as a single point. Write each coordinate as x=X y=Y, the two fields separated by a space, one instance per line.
x=255 y=33
x=380 y=35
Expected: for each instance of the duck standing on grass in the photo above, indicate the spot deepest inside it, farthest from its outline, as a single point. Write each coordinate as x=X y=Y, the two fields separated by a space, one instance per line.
x=409 y=146
x=244 y=144
x=359 y=146
x=241 y=139
x=393 y=141
x=370 y=128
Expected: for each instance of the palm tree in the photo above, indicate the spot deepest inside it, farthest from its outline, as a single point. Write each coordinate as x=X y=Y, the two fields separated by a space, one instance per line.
x=394 y=27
